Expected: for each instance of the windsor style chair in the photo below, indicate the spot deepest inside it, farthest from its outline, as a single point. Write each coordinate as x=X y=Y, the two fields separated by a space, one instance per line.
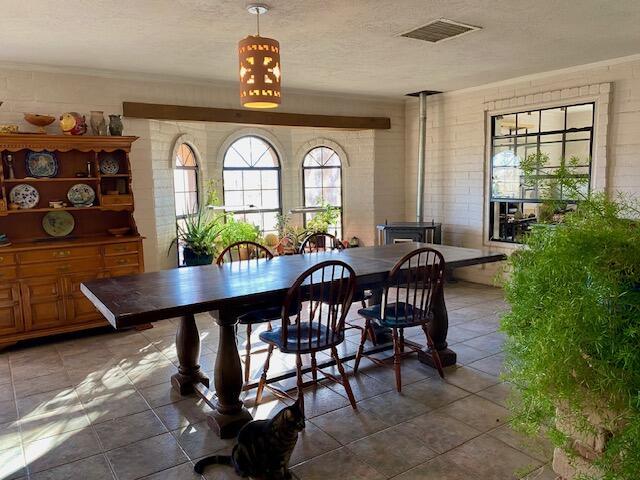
x=251 y=251
x=326 y=289
x=408 y=298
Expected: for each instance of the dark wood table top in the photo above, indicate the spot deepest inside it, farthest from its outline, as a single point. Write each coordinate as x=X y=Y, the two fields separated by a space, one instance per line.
x=135 y=299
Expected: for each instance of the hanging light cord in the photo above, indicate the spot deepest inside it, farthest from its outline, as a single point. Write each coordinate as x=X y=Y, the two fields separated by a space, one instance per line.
x=258 y=21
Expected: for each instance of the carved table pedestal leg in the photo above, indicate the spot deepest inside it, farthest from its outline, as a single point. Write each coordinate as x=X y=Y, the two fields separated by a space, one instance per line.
x=438 y=330
x=188 y=349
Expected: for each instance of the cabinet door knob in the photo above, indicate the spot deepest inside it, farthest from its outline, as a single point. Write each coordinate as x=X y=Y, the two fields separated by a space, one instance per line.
x=122 y=261
x=1 y=259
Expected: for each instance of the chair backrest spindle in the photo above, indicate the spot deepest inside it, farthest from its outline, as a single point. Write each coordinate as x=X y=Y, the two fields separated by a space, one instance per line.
x=247 y=249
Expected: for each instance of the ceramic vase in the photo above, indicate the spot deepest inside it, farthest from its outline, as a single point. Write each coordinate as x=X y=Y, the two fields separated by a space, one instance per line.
x=72 y=123
x=98 y=123
x=115 y=125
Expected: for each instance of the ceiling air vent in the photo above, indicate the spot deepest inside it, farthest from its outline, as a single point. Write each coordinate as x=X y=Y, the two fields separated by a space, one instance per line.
x=439 y=30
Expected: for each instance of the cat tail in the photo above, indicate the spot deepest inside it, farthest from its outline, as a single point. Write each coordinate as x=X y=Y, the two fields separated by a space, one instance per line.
x=211 y=460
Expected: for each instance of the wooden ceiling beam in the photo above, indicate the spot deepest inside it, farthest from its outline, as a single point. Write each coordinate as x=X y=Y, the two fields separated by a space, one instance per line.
x=155 y=111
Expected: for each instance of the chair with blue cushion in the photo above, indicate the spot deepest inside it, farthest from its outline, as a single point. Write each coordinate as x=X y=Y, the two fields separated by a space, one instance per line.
x=407 y=301
x=313 y=319
x=250 y=251
x=325 y=242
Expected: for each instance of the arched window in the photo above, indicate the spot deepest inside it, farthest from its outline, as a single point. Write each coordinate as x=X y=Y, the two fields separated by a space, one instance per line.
x=185 y=181
x=322 y=182
x=251 y=182
x=185 y=188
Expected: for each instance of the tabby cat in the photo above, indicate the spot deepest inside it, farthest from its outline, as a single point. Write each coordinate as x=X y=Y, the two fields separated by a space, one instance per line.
x=263 y=447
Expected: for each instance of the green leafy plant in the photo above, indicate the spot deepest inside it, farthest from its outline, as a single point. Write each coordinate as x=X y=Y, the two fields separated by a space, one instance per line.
x=239 y=231
x=200 y=232
x=573 y=331
x=321 y=221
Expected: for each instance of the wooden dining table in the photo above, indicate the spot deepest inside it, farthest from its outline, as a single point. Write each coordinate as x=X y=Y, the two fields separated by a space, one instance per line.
x=232 y=289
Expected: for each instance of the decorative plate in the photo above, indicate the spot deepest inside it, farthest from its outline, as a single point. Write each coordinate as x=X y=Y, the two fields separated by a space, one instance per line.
x=109 y=165
x=58 y=224
x=81 y=195
x=41 y=164
x=24 y=195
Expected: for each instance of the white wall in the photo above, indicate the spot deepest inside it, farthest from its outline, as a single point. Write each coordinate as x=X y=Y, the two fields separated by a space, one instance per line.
x=455 y=191
x=54 y=91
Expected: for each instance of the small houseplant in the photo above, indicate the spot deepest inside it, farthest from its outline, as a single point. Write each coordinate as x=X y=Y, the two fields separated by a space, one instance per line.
x=322 y=220
x=199 y=233
x=239 y=231
x=573 y=334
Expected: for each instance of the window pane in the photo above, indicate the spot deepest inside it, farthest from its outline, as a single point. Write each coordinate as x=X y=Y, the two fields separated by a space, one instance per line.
x=234 y=159
x=232 y=179
x=554 y=150
x=504 y=124
x=233 y=199
x=251 y=179
x=269 y=179
x=552 y=119
x=253 y=198
x=312 y=177
x=333 y=160
x=331 y=177
x=505 y=158
x=580 y=116
x=578 y=149
x=270 y=221
x=528 y=122
x=332 y=196
x=270 y=199
x=190 y=180
x=313 y=197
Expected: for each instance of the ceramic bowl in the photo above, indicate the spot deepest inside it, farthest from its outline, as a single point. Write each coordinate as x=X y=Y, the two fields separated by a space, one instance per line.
x=39 y=121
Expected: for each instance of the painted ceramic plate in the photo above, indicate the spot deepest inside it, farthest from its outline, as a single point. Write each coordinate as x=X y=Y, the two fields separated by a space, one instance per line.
x=41 y=164
x=24 y=195
x=81 y=195
x=58 y=224
x=109 y=165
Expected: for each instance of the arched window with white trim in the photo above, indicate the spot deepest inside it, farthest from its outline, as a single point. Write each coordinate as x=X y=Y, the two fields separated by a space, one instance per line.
x=251 y=182
x=185 y=187
x=322 y=182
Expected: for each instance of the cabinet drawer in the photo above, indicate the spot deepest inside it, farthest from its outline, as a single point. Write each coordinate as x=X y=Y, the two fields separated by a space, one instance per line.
x=113 y=200
x=60 y=268
x=7 y=273
x=121 y=261
x=8 y=259
x=58 y=254
x=120 y=248
x=121 y=272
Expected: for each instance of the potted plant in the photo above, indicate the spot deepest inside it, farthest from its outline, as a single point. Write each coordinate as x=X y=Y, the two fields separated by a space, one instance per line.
x=239 y=231
x=290 y=236
x=199 y=233
x=321 y=221
x=573 y=337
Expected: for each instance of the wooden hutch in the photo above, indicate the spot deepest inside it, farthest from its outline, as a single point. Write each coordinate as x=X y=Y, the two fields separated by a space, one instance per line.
x=40 y=275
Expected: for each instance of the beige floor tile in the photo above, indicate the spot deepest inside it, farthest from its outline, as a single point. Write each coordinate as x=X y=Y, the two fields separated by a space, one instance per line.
x=198 y=440
x=146 y=457
x=335 y=464
x=162 y=394
x=440 y=468
x=60 y=449
x=394 y=407
x=36 y=427
x=9 y=435
x=12 y=464
x=539 y=447
x=491 y=343
x=492 y=365
x=466 y=354
x=509 y=463
x=434 y=392
x=499 y=393
x=470 y=379
x=394 y=450
x=114 y=404
x=7 y=393
x=180 y=472
x=47 y=402
x=347 y=425
x=92 y=468
x=477 y=412
x=154 y=374
x=183 y=413
x=320 y=400
x=8 y=411
x=441 y=432
x=27 y=387
x=126 y=430
x=312 y=441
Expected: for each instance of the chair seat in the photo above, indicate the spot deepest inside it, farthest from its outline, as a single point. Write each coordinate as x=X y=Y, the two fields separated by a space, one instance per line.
x=319 y=341
x=260 y=316
x=403 y=318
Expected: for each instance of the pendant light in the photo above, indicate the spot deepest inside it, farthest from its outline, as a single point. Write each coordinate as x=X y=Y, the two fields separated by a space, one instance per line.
x=259 y=67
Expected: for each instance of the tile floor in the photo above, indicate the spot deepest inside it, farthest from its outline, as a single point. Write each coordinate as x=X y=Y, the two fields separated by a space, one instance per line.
x=100 y=406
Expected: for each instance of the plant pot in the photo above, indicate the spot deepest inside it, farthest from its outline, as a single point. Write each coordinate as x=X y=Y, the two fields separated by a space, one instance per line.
x=192 y=258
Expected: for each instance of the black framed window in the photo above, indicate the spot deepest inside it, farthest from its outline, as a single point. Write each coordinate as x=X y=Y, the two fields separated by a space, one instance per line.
x=185 y=188
x=559 y=133
x=322 y=182
x=251 y=182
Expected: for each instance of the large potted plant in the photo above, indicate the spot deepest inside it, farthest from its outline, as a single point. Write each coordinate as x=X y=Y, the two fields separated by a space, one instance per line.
x=239 y=231
x=199 y=233
x=573 y=337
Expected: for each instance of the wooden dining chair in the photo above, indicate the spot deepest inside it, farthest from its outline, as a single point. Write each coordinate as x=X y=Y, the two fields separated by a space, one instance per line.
x=413 y=284
x=247 y=250
x=327 y=292
x=320 y=242
x=325 y=242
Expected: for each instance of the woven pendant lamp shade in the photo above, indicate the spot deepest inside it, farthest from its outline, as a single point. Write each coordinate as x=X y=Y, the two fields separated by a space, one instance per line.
x=259 y=70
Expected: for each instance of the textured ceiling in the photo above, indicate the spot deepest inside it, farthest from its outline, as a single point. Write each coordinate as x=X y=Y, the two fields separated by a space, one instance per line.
x=349 y=46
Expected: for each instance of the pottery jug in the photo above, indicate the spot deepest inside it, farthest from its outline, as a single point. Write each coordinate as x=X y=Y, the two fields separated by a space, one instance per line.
x=98 y=123
x=72 y=123
x=115 y=125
